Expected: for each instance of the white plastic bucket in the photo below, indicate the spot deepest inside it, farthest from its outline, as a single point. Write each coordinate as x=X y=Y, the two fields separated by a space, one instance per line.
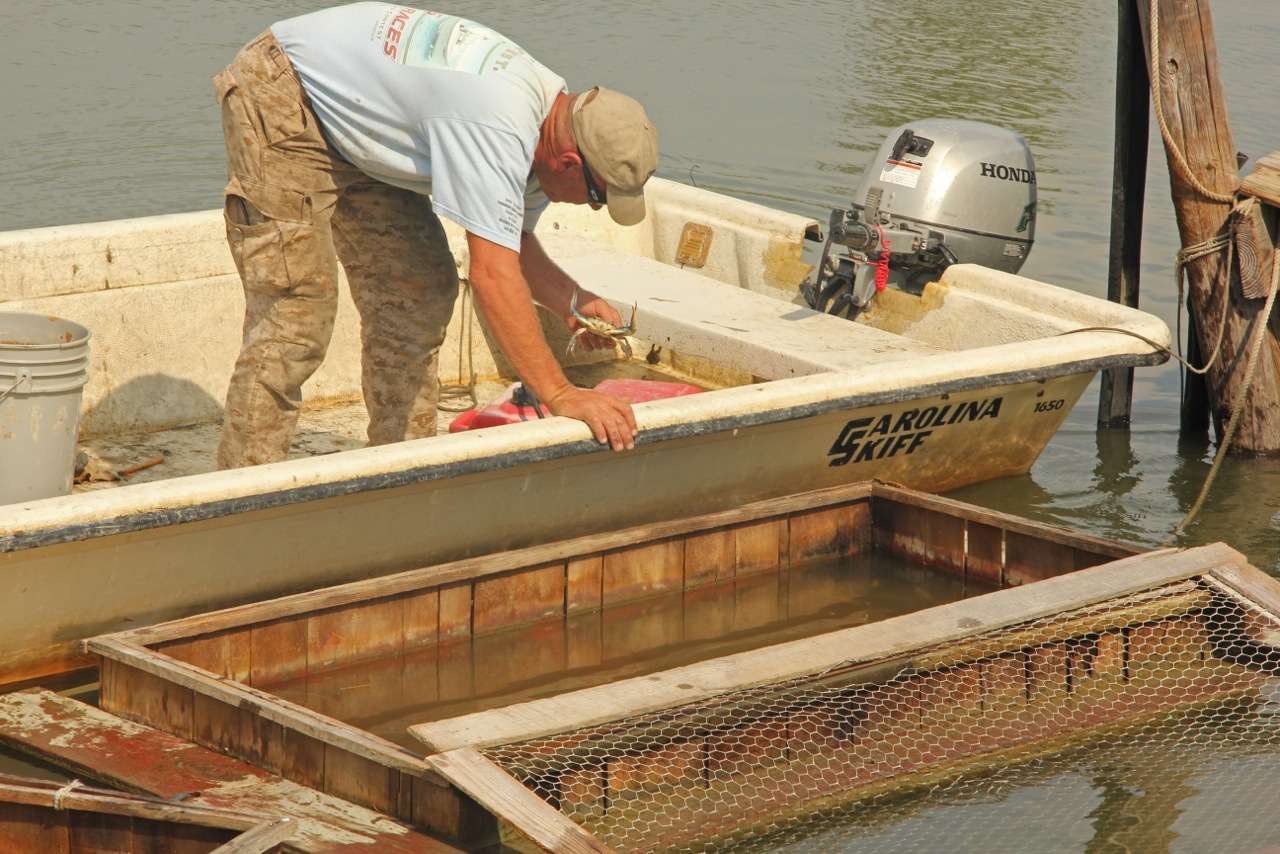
x=44 y=364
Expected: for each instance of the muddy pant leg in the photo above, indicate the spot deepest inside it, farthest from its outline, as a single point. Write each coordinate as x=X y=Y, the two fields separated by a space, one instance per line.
x=289 y=272
x=404 y=283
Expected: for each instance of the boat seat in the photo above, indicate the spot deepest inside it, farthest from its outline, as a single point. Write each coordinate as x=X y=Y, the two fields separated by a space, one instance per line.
x=755 y=333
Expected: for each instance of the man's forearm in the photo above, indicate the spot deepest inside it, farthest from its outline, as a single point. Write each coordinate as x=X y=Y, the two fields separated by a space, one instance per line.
x=504 y=298
x=550 y=285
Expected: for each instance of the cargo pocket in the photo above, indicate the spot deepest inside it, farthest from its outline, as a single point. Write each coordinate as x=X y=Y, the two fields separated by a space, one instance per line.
x=257 y=248
x=244 y=159
x=223 y=82
x=284 y=124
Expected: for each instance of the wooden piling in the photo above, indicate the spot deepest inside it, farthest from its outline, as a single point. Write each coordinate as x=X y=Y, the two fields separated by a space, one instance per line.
x=1195 y=113
x=1128 y=193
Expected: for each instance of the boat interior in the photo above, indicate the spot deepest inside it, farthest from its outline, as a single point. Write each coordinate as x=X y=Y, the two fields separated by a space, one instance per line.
x=713 y=282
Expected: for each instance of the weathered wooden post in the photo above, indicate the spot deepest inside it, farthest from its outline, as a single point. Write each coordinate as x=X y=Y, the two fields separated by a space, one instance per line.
x=1202 y=171
x=1128 y=192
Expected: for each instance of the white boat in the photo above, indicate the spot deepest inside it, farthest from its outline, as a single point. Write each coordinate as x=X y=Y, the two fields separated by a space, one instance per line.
x=966 y=382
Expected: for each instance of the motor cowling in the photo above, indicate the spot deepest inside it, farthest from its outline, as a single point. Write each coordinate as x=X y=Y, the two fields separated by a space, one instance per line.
x=939 y=192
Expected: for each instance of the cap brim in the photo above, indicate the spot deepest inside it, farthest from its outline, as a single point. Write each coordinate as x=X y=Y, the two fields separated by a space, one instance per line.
x=626 y=207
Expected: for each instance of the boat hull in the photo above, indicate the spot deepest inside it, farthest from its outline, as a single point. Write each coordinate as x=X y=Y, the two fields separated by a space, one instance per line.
x=60 y=585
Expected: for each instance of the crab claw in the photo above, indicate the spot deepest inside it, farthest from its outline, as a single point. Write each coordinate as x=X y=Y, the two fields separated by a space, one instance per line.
x=573 y=306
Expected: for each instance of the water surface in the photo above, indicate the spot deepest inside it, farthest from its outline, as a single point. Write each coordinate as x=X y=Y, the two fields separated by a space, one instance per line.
x=387 y=695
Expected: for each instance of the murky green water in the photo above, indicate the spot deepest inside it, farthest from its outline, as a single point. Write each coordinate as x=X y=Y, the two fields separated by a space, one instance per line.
x=1190 y=782
x=109 y=114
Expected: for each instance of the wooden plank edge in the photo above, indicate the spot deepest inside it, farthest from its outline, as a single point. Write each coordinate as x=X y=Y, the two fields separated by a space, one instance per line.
x=469 y=569
x=994 y=518
x=894 y=637
x=1263 y=183
x=261 y=838
x=1252 y=584
x=510 y=800
x=276 y=709
x=137 y=806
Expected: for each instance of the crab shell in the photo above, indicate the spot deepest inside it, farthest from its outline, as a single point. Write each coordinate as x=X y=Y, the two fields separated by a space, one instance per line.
x=600 y=328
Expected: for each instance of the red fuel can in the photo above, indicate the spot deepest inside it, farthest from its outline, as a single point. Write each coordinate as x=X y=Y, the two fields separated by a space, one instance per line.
x=504 y=410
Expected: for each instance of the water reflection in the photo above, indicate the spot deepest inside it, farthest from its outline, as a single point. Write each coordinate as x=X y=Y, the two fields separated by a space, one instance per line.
x=1141 y=798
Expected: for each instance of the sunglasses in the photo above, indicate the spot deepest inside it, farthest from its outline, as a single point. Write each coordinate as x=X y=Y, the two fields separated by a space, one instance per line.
x=594 y=193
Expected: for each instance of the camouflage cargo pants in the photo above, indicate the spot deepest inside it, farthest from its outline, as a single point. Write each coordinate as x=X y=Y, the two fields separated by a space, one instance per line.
x=294 y=208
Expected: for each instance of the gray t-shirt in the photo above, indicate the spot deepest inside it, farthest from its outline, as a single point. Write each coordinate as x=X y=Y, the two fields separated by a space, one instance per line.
x=430 y=102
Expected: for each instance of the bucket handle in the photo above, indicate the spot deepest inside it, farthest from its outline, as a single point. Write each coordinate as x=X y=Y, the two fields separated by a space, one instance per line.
x=23 y=376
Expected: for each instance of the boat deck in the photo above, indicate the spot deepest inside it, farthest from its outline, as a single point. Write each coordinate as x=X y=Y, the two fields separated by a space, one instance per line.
x=324 y=427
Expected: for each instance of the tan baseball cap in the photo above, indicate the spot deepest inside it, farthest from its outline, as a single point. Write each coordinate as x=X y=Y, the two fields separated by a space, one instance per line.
x=621 y=147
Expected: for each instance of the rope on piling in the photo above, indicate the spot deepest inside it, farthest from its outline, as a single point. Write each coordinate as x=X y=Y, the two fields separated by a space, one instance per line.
x=1175 y=153
x=1255 y=350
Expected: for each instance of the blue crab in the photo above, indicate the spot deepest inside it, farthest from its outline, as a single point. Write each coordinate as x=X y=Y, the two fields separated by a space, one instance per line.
x=601 y=329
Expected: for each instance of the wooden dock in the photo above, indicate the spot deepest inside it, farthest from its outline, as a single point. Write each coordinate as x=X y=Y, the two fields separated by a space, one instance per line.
x=96 y=745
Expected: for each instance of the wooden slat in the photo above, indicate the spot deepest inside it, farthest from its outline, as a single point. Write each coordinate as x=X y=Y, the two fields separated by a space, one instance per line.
x=421 y=618
x=861 y=644
x=1251 y=583
x=922 y=535
x=759 y=546
x=302 y=720
x=711 y=556
x=1040 y=530
x=95 y=745
x=24 y=828
x=136 y=693
x=277 y=650
x=479 y=567
x=1264 y=181
x=122 y=804
x=1154 y=609
x=519 y=598
x=221 y=653
x=640 y=571
x=1028 y=559
x=584 y=580
x=455 y=611
x=825 y=533
x=101 y=833
x=260 y=839
x=508 y=799
x=984 y=553
x=354 y=633
x=360 y=780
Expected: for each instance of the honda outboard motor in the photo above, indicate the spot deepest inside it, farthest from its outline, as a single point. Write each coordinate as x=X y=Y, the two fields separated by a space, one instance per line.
x=939 y=192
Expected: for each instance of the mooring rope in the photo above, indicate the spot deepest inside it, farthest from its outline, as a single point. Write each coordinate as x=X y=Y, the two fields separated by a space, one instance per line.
x=1255 y=350
x=1224 y=239
x=1175 y=153
x=1263 y=319
x=63 y=792
x=450 y=393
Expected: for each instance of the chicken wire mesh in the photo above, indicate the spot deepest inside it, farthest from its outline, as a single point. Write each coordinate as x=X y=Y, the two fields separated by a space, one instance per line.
x=1119 y=695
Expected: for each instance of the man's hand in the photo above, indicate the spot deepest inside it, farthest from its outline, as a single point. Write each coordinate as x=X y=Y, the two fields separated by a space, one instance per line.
x=503 y=297
x=610 y=419
x=591 y=305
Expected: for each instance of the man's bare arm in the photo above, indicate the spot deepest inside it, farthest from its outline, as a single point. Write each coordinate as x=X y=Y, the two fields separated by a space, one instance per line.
x=554 y=288
x=549 y=284
x=506 y=300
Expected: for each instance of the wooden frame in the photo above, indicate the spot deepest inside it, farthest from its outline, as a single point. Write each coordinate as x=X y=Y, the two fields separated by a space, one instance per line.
x=207 y=678
x=848 y=649
x=45 y=817
x=1155 y=634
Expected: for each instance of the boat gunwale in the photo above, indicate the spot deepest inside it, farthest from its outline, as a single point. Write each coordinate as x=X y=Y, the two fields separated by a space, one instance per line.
x=30 y=537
